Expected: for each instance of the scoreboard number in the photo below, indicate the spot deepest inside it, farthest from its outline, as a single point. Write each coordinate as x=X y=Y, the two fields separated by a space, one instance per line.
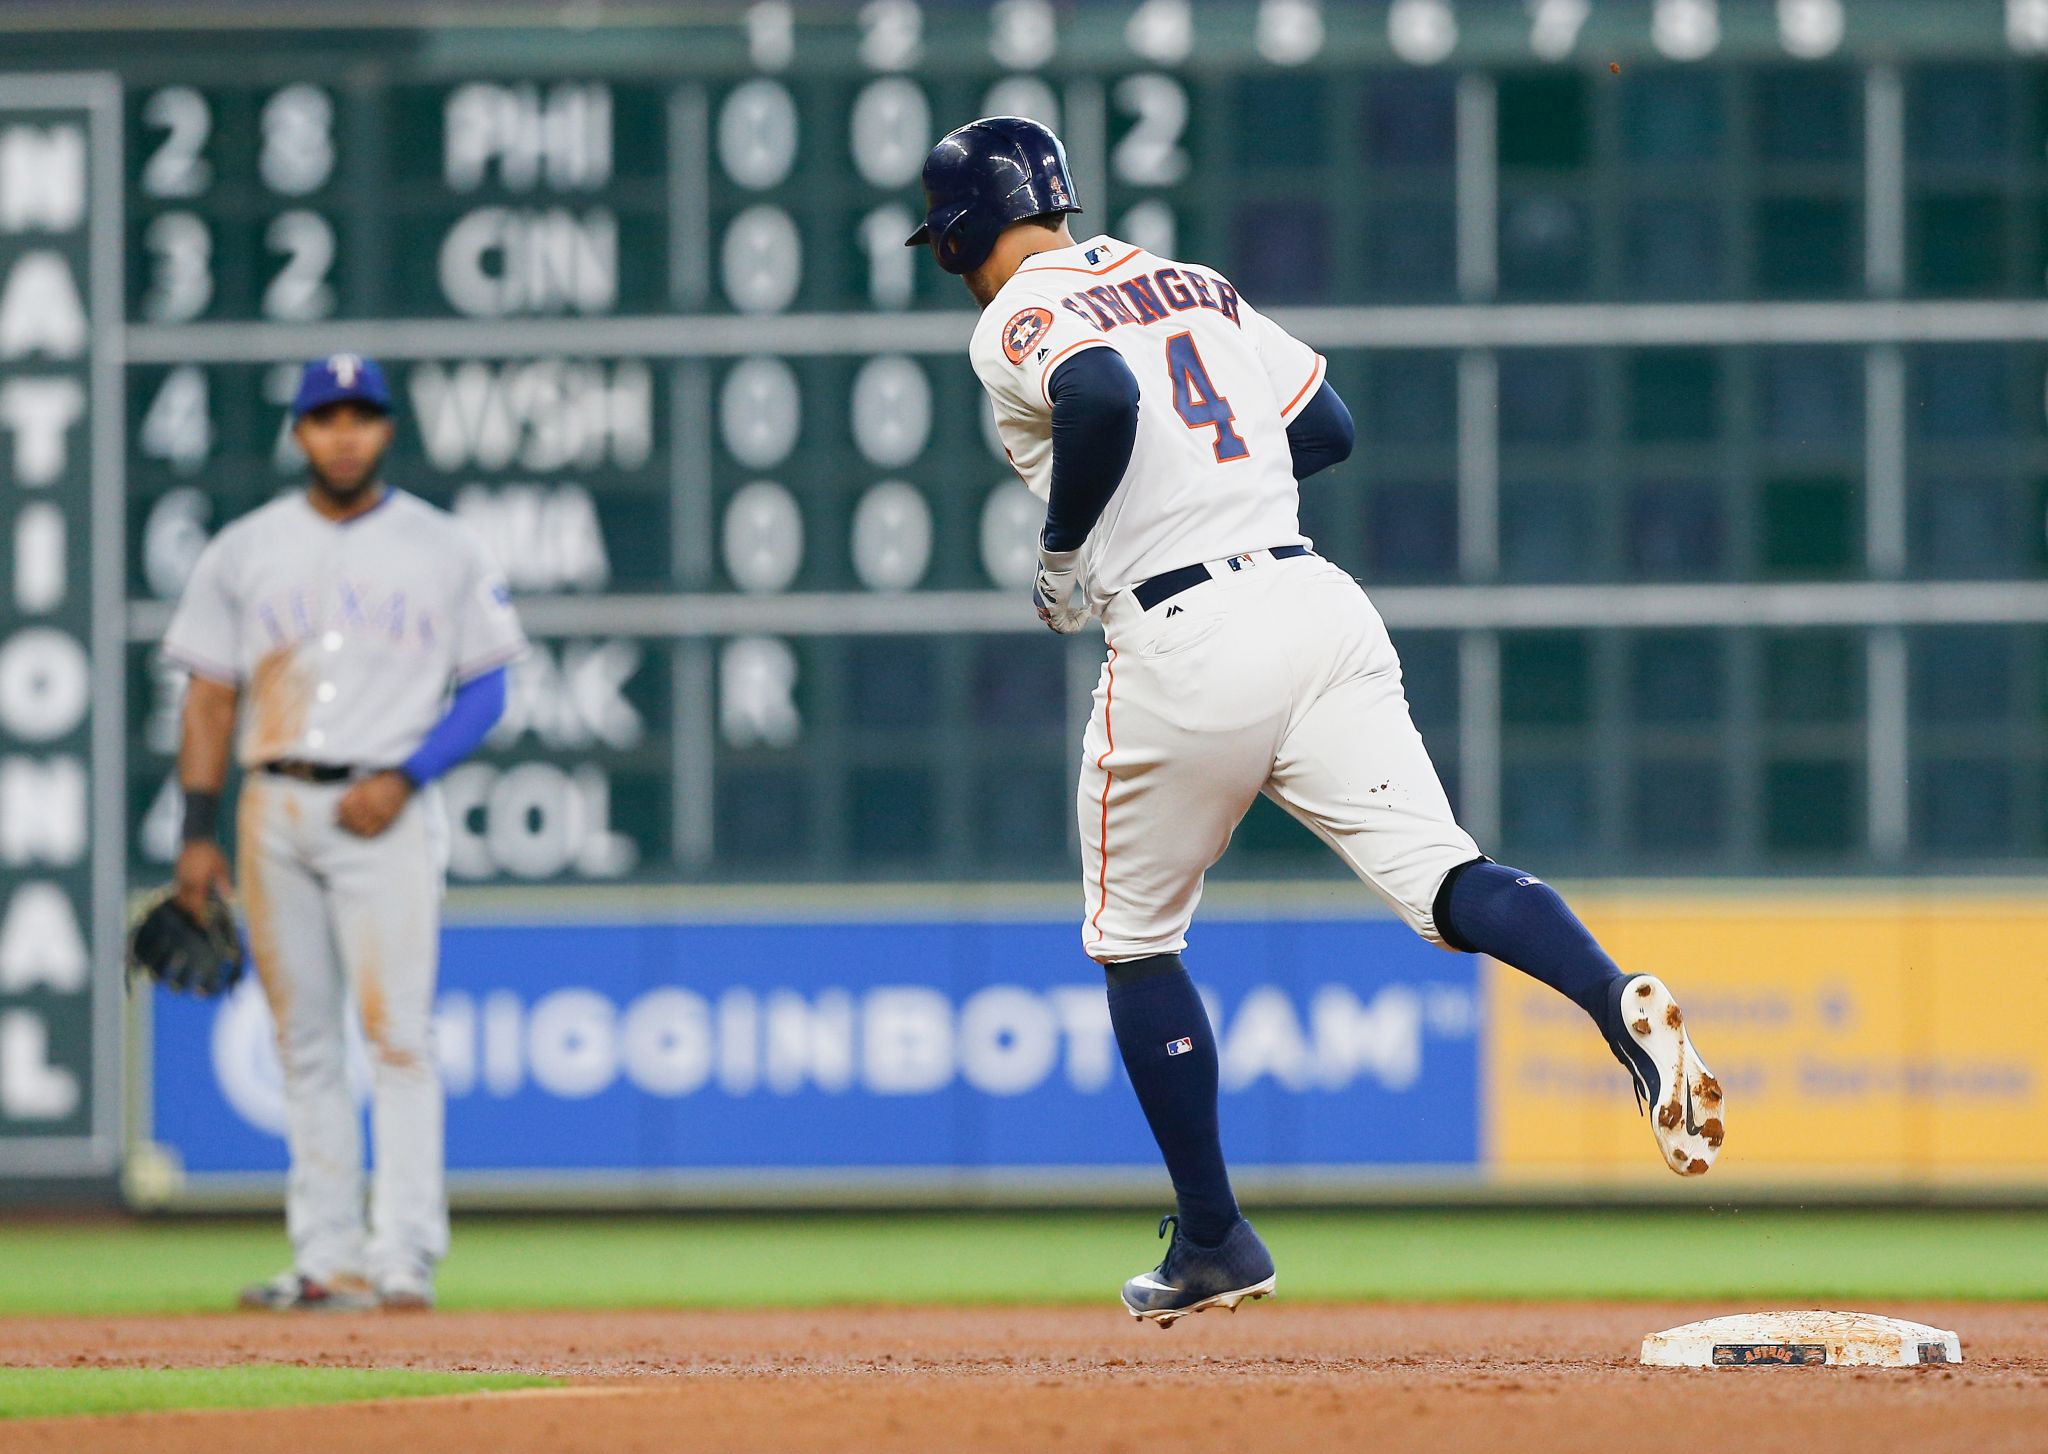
x=892 y=537
x=892 y=410
x=176 y=531
x=1022 y=35
x=1686 y=30
x=1811 y=29
x=299 y=291
x=2026 y=26
x=178 y=166
x=761 y=260
x=1554 y=26
x=771 y=34
x=757 y=134
x=177 y=428
x=298 y=141
x=892 y=34
x=1150 y=154
x=1422 y=32
x=892 y=130
x=1161 y=31
x=1290 y=32
x=763 y=538
x=180 y=268
x=759 y=410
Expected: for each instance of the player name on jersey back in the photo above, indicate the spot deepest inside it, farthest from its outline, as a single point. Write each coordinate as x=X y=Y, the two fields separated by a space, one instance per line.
x=1153 y=297
x=1211 y=473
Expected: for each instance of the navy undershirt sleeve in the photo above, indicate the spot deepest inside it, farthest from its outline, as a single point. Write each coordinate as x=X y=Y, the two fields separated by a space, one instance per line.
x=1322 y=433
x=1094 y=426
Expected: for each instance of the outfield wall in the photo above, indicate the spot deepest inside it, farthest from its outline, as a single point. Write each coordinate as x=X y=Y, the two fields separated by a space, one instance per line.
x=1867 y=1041
x=692 y=1050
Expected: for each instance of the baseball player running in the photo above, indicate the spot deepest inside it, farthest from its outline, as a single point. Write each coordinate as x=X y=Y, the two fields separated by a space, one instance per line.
x=361 y=637
x=1165 y=423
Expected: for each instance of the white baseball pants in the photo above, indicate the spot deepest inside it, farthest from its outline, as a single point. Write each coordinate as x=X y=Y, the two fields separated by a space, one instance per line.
x=1274 y=676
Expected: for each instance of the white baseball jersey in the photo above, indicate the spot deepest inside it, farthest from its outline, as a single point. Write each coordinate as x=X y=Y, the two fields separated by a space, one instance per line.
x=1211 y=473
x=344 y=635
x=1275 y=674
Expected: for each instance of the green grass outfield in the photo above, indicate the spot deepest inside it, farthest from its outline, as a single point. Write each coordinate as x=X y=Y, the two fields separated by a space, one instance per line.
x=37 y=1393
x=812 y=1260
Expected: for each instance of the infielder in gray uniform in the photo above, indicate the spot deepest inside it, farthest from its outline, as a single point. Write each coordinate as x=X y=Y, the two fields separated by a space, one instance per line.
x=361 y=636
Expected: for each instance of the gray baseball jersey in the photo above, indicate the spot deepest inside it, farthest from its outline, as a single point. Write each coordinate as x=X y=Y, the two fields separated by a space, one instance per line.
x=344 y=635
x=344 y=638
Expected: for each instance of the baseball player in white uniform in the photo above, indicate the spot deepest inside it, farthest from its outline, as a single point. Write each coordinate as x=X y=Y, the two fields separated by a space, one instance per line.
x=360 y=636
x=1165 y=422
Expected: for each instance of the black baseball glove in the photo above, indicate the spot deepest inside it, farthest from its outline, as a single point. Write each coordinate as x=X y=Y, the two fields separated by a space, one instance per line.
x=188 y=955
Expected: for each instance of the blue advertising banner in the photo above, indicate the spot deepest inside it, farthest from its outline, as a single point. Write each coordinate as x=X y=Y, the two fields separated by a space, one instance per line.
x=858 y=1048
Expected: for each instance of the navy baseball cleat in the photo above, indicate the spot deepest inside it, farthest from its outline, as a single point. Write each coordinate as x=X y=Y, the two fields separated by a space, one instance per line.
x=1192 y=1278
x=1647 y=1034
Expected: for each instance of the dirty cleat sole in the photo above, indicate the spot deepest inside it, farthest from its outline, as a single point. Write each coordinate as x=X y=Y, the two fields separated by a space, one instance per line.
x=288 y=1292
x=1192 y=1277
x=1686 y=1102
x=1228 y=1301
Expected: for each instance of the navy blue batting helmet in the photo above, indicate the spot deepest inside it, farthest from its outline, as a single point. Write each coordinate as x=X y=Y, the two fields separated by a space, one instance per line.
x=985 y=176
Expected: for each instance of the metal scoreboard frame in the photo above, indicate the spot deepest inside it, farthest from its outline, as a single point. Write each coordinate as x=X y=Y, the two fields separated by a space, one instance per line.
x=60 y=1078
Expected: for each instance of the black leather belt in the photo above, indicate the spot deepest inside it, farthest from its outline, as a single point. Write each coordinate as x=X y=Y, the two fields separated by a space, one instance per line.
x=1171 y=583
x=310 y=772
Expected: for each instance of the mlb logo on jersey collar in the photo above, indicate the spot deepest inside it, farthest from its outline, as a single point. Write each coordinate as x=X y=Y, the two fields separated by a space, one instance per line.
x=1241 y=562
x=1095 y=255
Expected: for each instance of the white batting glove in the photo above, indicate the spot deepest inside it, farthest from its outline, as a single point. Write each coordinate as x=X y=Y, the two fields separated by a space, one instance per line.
x=1053 y=591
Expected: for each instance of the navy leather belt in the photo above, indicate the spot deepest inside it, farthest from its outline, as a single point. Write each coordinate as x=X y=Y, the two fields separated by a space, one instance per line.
x=1166 y=586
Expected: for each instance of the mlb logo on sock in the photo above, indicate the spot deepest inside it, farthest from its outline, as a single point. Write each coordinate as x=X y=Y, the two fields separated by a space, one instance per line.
x=1180 y=1047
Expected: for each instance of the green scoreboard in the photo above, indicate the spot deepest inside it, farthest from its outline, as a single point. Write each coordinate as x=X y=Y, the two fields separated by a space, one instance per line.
x=1697 y=347
x=655 y=335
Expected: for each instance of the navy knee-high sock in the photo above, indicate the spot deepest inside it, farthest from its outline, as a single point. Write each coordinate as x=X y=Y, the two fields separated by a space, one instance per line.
x=1488 y=908
x=1169 y=1049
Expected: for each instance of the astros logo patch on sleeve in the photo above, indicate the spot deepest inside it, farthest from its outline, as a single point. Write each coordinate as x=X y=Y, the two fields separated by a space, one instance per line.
x=1023 y=331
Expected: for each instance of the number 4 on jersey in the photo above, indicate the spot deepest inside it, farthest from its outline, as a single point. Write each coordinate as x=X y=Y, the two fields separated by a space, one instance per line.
x=1196 y=400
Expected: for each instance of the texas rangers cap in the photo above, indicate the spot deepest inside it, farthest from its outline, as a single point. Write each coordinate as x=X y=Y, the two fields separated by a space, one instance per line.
x=340 y=378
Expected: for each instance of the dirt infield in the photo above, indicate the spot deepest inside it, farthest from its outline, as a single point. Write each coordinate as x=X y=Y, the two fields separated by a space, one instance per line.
x=1290 y=1378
